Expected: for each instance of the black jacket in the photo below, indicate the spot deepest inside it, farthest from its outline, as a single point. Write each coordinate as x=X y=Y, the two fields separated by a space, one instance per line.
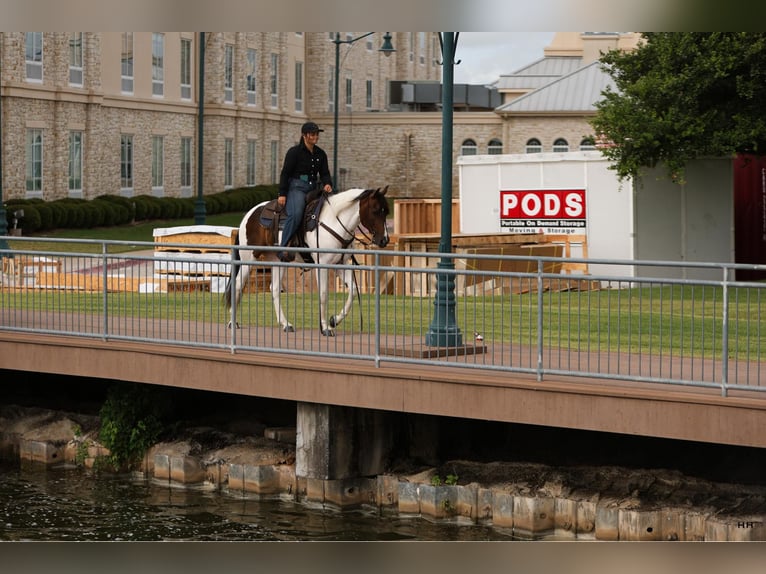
x=300 y=161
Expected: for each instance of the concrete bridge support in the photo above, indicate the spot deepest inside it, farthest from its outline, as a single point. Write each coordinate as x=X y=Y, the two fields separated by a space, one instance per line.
x=334 y=442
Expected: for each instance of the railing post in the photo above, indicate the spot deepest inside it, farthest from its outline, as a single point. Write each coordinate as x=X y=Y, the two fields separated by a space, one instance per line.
x=105 y=290
x=377 y=308
x=540 y=319
x=232 y=286
x=725 y=335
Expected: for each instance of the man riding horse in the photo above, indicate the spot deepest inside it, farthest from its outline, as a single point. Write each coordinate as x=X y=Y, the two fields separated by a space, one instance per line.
x=304 y=170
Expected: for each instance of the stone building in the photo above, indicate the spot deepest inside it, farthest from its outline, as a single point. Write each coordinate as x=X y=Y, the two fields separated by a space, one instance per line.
x=91 y=113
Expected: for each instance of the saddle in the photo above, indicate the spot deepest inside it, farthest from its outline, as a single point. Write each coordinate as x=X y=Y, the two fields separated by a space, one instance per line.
x=272 y=217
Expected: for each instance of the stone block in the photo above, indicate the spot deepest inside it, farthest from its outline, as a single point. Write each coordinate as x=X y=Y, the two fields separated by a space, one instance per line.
x=186 y=469
x=694 y=526
x=532 y=516
x=438 y=502
x=9 y=445
x=640 y=525
x=162 y=467
x=502 y=509
x=281 y=434
x=350 y=492
x=261 y=479
x=409 y=498
x=484 y=503
x=586 y=520
x=673 y=524
x=314 y=490
x=41 y=452
x=467 y=505
x=607 y=521
x=716 y=529
x=236 y=478
x=564 y=518
x=747 y=529
x=387 y=491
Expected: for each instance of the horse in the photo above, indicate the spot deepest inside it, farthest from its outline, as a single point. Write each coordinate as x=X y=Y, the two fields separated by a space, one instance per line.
x=340 y=216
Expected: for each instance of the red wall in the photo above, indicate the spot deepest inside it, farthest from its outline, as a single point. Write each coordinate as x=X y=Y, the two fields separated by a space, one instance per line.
x=750 y=214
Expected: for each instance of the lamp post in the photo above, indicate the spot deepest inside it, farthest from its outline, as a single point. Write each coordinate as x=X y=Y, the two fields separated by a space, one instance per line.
x=444 y=331
x=199 y=203
x=386 y=48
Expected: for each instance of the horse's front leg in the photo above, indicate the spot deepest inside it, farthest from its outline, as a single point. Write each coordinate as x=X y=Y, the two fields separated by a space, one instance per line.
x=350 y=283
x=325 y=326
x=276 y=289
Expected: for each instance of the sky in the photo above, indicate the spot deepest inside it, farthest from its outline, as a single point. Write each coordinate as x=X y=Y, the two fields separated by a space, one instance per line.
x=485 y=56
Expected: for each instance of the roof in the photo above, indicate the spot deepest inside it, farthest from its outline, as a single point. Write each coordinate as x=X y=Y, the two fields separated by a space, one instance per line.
x=539 y=73
x=576 y=91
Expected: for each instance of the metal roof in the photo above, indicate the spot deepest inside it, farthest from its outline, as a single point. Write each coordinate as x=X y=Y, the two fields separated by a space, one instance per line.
x=575 y=92
x=539 y=73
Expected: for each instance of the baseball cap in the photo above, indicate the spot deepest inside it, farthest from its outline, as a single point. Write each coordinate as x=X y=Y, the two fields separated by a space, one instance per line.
x=310 y=128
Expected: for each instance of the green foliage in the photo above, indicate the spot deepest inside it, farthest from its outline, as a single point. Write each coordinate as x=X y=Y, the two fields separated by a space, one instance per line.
x=684 y=95
x=132 y=420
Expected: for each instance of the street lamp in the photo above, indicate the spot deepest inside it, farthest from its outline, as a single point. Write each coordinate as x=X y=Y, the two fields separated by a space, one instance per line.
x=3 y=220
x=386 y=48
x=444 y=331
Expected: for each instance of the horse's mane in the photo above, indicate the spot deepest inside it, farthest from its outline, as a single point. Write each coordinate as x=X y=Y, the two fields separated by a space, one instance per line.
x=346 y=197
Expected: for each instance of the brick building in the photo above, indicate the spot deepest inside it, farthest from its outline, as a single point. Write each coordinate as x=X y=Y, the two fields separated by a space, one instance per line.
x=85 y=114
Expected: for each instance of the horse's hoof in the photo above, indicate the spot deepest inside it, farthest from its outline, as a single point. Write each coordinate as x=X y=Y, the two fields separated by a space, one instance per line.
x=333 y=322
x=328 y=332
x=288 y=329
x=228 y=325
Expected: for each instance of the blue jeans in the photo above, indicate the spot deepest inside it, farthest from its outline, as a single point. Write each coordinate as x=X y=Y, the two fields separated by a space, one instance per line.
x=296 y=204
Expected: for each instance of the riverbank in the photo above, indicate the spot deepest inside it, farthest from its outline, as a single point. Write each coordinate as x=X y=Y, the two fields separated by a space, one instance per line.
x=527 y=500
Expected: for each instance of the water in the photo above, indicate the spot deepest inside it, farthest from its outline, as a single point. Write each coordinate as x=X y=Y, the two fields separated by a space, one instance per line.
x=70 y=504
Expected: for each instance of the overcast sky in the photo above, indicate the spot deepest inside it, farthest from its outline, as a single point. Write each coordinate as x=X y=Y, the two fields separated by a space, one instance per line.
x=484 y=56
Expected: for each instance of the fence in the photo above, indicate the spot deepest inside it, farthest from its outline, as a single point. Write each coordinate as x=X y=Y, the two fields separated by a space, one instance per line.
x=494 y=312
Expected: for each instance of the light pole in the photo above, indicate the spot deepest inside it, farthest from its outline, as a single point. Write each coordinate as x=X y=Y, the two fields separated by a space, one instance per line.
x=386 y=48
x=199 y=203
x=444 y=331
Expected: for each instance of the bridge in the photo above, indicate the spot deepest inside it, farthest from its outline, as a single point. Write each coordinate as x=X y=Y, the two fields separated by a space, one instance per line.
x=671 y=358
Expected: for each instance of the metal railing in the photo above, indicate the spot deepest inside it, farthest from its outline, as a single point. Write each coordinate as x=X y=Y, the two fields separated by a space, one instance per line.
x=678 y=323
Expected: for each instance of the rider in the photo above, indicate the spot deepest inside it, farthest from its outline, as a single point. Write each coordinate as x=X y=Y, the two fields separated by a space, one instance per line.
x=304 y=169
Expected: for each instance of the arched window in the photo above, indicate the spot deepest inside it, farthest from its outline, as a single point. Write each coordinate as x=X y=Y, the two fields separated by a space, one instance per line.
x=560 y=145
x=495 y=147
x=587 y=144
x=469 y=147
x=534 y=146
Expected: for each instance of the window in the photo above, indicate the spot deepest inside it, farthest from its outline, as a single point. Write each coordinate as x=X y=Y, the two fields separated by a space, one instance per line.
x=75 y=59
x=331 y=90
x=75 y=164
x=186 y=69
x=560 y=145
x=349 y=93
x=298 y=86
x=158 y=64
x=34 y=162
x=587 y=144
x=412 y=46
x=127 y=63
x=186 y=164
x=274 y=162
x=228 y=74
x=422 y=42
x=158 y=163
x=126 y=162
x=34 y=56
x=251 y=165
x=252 y=75
x=534 y=146
x=228 y=163
x=495 y=147
x=274 y=80
x=368 y=95
x=468 y=147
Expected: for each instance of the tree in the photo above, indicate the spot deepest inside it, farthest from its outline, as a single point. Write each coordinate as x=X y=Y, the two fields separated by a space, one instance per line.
x=684 y=95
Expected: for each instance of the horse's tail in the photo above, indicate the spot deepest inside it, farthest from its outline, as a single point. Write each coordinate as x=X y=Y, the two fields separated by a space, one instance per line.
x=232 y=277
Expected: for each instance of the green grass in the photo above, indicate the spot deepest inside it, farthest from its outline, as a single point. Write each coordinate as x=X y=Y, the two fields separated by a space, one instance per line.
x=681 y=320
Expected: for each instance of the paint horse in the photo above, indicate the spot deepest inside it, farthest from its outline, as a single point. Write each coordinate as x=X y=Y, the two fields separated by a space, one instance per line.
x=336 y=229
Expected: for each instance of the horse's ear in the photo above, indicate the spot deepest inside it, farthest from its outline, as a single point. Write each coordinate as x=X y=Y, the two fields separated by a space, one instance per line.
x=385 y=189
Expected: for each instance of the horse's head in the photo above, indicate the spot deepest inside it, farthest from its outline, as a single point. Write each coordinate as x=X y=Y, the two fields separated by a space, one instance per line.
x=373 y=213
